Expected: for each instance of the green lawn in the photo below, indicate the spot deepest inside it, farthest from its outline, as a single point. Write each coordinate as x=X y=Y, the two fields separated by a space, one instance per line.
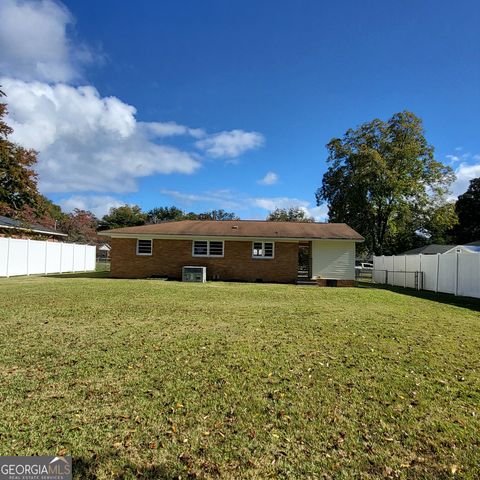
x=153 y=379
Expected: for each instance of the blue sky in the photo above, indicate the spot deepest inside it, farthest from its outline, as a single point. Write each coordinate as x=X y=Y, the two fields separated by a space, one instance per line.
x=229 y=105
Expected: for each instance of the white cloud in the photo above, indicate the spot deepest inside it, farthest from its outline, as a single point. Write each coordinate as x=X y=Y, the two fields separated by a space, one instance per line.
x=34 y=41
x=97 y=204
x=87 y=142
x=170 y=129
x=320 y=213
x=224 y=198
x=269 y=179
x=271 y=203
x=230 y=144
x=453 y=158
x=465 y=172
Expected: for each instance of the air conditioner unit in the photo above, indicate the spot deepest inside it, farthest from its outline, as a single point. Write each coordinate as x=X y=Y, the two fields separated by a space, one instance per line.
x=194 y=274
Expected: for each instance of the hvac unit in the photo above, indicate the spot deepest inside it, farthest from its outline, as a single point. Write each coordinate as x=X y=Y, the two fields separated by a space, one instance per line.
x=194 y=274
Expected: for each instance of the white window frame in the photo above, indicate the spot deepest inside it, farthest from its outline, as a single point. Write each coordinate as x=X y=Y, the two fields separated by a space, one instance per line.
x=151 y=247
x=263 y=257
x=208 y=248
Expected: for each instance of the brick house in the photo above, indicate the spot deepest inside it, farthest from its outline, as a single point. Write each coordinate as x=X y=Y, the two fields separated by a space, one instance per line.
x=241 y=250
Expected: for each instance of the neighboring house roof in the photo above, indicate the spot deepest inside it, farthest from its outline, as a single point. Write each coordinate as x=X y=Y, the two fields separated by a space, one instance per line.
x=429 y=249
x=10 y=223
x=465 y=248
x=105 y=247
x=242 y=229
x=475 y=244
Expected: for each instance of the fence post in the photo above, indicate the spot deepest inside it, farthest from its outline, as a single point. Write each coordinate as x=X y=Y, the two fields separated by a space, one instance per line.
x=28 y=256
x=393 y=270
x=456 y=273
x=73 y=259
x=85 y=259
x=8 y=256
x=438 y=271
x=405 y=268
x=420 y=267
x=61 y=254
x=46 y=253
x=385 y=275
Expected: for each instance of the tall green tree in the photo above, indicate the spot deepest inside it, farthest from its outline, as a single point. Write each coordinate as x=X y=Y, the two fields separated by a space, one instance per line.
x=383 y=180
x=467 y=209
x=163 y=214
x=124 y=216
x=293 y=214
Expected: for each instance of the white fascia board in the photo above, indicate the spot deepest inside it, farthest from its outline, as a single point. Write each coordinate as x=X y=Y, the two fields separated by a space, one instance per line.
x=218 y=237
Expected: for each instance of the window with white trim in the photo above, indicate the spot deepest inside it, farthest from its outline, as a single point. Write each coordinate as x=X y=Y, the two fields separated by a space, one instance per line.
x=144 y=247
x=207 y=248
x=262 y=250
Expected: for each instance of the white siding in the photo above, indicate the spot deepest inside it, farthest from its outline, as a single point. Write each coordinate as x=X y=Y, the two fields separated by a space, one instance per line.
x=333 y=259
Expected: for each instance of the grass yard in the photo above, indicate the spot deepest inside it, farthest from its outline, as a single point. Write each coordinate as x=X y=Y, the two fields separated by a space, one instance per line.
x=161 y=380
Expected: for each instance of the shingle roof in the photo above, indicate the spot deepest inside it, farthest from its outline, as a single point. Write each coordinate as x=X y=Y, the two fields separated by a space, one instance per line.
x=10 y=223
x=429 y=249
x=243 y=229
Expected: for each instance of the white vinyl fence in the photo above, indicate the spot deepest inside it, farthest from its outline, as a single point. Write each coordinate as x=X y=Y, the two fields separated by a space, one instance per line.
x=456 y=273
x=29 y=257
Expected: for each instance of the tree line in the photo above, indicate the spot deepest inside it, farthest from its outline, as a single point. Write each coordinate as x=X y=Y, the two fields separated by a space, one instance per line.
x=382 y=179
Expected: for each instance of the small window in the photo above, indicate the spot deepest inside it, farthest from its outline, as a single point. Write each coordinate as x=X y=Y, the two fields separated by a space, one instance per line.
x=207 y=248
x=144 y=247
x=262 y=250
x=215 y=249
x=200 y=249
x=258 y=249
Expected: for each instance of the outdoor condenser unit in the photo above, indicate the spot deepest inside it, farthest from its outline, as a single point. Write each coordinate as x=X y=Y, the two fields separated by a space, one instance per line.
x=194 y=274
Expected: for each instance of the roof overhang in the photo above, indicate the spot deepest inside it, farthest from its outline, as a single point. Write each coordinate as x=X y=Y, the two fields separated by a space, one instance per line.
x=34 y=230
x=222 y=237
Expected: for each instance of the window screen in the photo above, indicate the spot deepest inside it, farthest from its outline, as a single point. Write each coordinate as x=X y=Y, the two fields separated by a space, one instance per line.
x=207 y=248
x=258 y=249
x=268 y=249
x=200 y=248
x=216 y=249
x=262 y=250
x=144 y=247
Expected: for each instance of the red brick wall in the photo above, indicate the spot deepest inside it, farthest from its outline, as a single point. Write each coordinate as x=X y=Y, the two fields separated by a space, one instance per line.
x=169 y=256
